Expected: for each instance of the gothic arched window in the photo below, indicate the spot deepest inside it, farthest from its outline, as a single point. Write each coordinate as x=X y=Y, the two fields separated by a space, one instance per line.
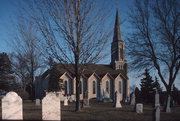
x=94 y=87
x=107 y=86
x=80 y=86
x=119 y=86
x=65 y=87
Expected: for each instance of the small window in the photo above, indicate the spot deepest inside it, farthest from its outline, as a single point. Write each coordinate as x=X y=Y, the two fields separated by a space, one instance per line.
x=65 y=87
x=119 y=86
x=94 y=87
x=107 y=86
x=80 y=86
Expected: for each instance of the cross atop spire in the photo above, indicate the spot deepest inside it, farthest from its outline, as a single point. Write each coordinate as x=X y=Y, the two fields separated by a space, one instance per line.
x=117 y=31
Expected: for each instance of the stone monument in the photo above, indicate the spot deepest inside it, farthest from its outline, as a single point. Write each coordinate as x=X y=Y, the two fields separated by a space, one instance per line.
x=51 y=107
x=66 y=102
x=117 y=100
x=156 y=110
x=133 y=99
x=12 y=107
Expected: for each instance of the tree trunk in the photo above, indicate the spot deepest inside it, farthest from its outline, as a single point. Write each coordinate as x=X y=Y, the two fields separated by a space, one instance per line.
x=77 y=75
x=77 y=91
x=167 y=107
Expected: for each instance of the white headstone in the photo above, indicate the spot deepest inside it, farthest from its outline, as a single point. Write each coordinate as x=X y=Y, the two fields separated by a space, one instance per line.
x=51 y=108
x=12 y=107
x=117 y=100
x=66 y=102
x=38 y=102
x=139 y=108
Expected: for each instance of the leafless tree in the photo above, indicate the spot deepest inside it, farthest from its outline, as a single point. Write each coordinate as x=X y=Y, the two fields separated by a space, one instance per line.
x=26 y=56
x=154 y=41
x=74 y=31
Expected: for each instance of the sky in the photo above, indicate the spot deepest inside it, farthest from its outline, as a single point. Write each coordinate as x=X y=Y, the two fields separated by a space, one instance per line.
x=9 y=10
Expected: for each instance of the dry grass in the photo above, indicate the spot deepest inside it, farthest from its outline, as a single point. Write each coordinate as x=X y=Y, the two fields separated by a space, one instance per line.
x=101 y=112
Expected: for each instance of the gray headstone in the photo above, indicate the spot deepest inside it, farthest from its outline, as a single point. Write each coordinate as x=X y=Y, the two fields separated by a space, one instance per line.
x=139 y=108
x=12 y=107
x=156 y=111
x=66 y=102
x=133 y=101
x=38 y=102
x=51 y=108
x=70 y=99
x=117 y=100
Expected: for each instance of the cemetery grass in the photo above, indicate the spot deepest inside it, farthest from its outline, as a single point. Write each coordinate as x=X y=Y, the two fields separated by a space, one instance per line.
x=98 y=112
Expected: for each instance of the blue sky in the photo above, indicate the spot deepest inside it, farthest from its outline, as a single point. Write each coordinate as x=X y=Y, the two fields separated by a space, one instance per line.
x=9 y=10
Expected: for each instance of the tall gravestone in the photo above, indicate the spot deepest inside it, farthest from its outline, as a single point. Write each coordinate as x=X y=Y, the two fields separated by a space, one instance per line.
x=117 y=100
x=51 y=108
x=12 y=107
x=133 y=101
x=156 y=110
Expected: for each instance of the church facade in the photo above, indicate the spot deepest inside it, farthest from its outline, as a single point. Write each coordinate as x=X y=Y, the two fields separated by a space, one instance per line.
x=98 y=79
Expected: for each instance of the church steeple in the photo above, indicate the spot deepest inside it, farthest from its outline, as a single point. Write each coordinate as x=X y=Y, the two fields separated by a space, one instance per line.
x=117 y=46
x=117 y=30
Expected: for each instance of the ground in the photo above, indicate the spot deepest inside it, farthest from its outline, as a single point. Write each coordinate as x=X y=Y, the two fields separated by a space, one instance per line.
x=99 y=112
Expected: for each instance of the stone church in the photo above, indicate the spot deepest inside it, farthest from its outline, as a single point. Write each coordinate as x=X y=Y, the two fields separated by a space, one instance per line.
x=97 y=79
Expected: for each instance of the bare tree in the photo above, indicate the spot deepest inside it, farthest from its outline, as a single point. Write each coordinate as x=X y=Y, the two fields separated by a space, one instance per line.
x=154 y=41
x=27 y=57
x=74 y=31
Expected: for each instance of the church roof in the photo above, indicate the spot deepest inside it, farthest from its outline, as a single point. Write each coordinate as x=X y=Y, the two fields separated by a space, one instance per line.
x=100 y=69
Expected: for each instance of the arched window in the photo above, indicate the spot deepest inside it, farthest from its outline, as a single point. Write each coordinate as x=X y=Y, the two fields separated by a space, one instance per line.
x=80 y=86
x=119 y=86
x=107 y=86
x=94 y=87
x=65 y=87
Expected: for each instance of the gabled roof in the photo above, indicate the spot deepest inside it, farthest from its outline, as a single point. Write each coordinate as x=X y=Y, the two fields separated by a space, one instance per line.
x=100 y=69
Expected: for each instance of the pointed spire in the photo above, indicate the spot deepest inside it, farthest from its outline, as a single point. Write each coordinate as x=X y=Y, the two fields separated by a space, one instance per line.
x=117 y=31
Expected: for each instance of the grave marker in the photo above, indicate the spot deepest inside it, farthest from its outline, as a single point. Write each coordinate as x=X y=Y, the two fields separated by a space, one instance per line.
x=51 y=108
x=12 y=107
